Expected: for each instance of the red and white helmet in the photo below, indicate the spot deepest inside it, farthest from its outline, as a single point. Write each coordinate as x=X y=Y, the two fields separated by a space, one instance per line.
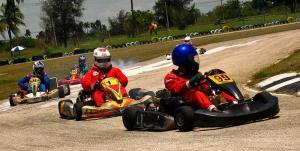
x=102 y=58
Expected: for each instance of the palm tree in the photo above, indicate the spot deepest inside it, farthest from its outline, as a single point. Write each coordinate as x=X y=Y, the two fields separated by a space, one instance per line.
x=10 y=20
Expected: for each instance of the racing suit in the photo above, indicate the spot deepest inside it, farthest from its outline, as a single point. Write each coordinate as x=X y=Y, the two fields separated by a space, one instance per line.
x=44 y=85
x=94 y=75
x=176 y=82
x=82 y=69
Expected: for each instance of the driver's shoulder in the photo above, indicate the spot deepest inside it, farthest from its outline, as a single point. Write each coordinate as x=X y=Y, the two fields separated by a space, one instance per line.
x=28 y=75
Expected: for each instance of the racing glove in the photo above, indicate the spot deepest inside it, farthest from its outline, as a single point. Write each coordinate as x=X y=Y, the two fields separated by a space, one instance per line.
x=195 y=80
x=95 y=85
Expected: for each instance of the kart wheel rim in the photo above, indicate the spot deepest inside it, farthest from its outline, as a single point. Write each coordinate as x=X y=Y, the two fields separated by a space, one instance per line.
x=180 y=119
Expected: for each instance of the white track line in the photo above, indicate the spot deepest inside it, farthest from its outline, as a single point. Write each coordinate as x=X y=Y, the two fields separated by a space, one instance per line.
x=218 y=49
x=4 y=106
x=275 y=78
x=256 y=91
x=275 y=87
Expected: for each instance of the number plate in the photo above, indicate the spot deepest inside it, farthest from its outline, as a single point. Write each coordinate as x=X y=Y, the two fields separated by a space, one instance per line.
x=221 y=78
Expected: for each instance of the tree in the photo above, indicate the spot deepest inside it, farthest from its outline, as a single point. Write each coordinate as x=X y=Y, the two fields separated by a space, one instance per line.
x=117 y=23
x=10 y=20
x=143 y=19
x=62 y=16
x=259 y=4
x=122 y=23
x=87 y=26
x=180 y=12
x=27 y=33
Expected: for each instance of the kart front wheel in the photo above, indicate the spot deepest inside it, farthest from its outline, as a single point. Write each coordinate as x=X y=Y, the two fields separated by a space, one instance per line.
x=184 y=118
x=263 y=97
x=61 y=92
x=77 y=110
x=11 y=101
x=129 y=118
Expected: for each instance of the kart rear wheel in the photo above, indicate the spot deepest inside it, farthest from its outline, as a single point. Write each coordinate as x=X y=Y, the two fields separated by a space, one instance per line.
x=68 y=90
x=129 y=117
x=61 y=92
x=77 y=111
x=11 y=101
x=184 y=118
x=61 y=108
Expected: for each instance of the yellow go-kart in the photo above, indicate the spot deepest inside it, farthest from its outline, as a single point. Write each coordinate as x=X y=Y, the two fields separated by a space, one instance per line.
x=38 y=96
x=84 y=107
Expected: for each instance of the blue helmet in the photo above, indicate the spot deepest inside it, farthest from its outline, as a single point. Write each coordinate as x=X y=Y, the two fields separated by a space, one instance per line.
x=183 y=55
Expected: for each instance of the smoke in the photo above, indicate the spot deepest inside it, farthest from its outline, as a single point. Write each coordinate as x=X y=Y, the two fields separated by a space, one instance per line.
x=122 y=64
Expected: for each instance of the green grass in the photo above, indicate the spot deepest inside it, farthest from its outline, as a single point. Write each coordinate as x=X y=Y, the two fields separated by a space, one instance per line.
x=289 y=64
x=10 y=74
x=199 y=27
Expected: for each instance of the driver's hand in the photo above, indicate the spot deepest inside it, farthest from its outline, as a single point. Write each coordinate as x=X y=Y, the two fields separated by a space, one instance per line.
x=195 y=80
x=95 y=85
x=215 y=109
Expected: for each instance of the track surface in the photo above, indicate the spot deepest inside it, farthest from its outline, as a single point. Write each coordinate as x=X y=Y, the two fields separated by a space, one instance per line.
x=38 y=126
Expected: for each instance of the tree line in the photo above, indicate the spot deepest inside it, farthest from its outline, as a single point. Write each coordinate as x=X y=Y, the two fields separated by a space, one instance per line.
x=61 y=20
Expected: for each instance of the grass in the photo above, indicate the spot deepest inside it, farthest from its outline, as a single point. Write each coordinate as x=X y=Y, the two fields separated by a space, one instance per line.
x=289 y=64
x=199 y=27
x=59 y=67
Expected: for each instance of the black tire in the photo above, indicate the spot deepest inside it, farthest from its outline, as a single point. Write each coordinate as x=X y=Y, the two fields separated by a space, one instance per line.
x=68 y=90
x=263 y=97
x=77 y=111
x=11 y=101
x=138 y=93
x=129 y=117
x=61 y=92
x=59 y=108
x=134 y=93
x=151 y=93
x=184 y=118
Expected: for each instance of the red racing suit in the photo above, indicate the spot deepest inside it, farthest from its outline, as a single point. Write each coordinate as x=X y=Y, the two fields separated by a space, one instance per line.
x=176 y=82
x=95 y=74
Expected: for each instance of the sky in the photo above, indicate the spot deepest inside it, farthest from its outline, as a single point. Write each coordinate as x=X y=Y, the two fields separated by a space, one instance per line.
x=96 y=9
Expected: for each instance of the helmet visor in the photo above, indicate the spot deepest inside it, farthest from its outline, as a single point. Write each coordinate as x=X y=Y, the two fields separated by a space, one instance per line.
x=102 y=60
x=39 y=71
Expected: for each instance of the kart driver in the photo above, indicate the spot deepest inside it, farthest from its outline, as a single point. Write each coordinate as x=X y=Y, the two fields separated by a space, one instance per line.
x=188 y=40
x=82 y=66
x=102 y=69
x=38 y=71
x=187 y=81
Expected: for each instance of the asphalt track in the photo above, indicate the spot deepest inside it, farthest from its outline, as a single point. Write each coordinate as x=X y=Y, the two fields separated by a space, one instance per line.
x=38 y=126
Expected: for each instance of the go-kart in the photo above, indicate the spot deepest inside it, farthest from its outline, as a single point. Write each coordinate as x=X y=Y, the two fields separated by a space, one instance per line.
x=36 y=95
x=84 y=108
x=73 y=79
x=201 y=51
x=171 y=111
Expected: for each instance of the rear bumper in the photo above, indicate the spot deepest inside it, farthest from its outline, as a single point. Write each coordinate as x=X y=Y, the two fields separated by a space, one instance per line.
x=70 y=82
